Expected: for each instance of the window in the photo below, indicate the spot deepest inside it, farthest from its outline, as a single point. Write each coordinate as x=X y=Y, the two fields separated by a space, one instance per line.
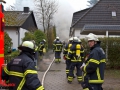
x=113 y=13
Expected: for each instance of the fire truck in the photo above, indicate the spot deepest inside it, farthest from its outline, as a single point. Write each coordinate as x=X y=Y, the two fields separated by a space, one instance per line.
x=1 y=38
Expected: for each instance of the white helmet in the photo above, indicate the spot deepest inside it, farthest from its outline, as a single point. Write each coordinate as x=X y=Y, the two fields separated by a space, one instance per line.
x=71 y=39
x=44 y=40
x=75 y=39
x=92 y=36
x=27 y=46
x=79 y=40
x=57 y=37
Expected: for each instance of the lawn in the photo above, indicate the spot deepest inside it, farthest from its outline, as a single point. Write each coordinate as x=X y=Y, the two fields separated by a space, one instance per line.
x=112 y=80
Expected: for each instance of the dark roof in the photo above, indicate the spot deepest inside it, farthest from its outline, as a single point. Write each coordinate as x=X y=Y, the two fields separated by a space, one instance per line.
x=101 y=29
x=100 y=14
x=18 y=18
x=78 y=15
x=15 y=18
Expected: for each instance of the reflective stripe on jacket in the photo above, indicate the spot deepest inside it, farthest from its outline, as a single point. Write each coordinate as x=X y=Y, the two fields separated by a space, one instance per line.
x=41 y=46
x=57 y=45
x=21 y=71
x=67 y=49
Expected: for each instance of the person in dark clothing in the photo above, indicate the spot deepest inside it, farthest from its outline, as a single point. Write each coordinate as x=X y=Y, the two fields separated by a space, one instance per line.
x=65 y=54
x=94 y=65
x=57 y=47
x=64 y=44
x=41 y=47
x=21 y=70
x=74 y=57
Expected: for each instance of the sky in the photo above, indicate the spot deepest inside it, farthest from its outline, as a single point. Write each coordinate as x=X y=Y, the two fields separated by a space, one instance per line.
x=78 y=4
x=75 y=4
x=65 y=12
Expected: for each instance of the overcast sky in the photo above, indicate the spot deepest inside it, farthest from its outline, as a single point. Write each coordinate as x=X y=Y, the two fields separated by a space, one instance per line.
x=65 y=12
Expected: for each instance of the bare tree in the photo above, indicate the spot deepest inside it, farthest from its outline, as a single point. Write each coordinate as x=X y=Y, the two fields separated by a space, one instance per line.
x=46 y=10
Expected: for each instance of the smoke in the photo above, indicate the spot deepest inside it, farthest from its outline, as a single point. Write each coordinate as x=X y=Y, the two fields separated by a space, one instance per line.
x=62 y=19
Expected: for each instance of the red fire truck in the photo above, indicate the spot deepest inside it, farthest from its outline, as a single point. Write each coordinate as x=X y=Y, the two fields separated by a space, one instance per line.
x=1 y=38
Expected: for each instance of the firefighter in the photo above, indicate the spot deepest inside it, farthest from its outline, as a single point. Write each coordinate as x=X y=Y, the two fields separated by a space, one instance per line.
x=65 y=54
x=57 y=47
x=64 y=44
x=41 y=48
x=81 y=50
x=36 y=55
x=94 y=65
x=21 y=70
x=75 y=60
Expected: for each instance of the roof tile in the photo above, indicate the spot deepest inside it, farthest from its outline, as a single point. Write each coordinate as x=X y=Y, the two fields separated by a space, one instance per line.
x=15 y=18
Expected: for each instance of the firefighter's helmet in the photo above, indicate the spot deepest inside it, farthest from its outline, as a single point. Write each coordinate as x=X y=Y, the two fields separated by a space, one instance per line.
x=92 y=36
x=79 y=40
x=44 y=40
x=27 y=46
x=70 y=39
x=57 y=38
x=75 y=39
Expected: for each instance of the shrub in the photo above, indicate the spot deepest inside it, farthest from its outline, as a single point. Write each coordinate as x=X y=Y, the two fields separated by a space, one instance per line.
x=11 y=56
x=7 y=43
x=39 y=35
x=28 y=36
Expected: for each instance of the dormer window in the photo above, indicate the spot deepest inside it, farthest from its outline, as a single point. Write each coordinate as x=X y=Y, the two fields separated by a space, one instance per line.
x=114 y=13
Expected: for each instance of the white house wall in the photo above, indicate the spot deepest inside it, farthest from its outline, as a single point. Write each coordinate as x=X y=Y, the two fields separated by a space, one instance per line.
x=77 y=34
x=22 y=34
x=12 y=32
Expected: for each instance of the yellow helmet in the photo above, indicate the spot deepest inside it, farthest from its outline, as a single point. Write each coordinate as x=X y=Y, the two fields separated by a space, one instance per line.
x=27 y=46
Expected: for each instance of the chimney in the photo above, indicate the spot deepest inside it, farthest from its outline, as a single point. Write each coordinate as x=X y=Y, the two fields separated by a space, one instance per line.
x=26 y=9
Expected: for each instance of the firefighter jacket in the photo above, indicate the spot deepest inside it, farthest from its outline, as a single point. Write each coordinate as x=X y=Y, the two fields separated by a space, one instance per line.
x=75 y=54
x=21 y=71
x=82 y=52
x=95 y=65
x=41 y=46
x=67 y=49
x=57 y=45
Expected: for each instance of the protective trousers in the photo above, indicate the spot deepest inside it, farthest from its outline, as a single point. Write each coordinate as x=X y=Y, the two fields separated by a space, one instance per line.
x=67 y=67
x=78 y=73
x=57 y=56
x=36 y=58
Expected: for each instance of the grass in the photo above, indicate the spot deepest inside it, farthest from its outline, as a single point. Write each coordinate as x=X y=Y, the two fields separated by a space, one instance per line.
x=112 y=73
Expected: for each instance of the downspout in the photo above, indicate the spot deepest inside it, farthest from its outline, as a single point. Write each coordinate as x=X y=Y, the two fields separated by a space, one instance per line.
x=107 y=35
x=70 y=32
x=18 y=36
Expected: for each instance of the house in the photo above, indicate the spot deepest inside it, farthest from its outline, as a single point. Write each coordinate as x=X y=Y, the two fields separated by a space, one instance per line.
x=17 y=23
x=101 y=19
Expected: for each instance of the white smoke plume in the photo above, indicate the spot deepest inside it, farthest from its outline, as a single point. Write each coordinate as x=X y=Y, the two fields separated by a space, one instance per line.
x=62 y=19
